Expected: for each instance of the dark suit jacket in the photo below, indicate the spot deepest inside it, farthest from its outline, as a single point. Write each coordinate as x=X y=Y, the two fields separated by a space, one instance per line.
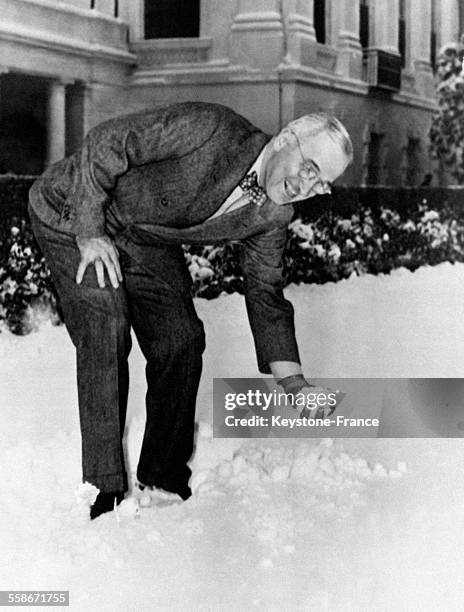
x=159 y=175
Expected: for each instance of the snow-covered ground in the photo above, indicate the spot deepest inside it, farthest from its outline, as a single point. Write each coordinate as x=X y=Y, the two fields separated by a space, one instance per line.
x=273 y=524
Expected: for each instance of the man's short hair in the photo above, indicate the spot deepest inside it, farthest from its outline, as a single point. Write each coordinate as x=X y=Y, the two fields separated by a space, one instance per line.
x=314 y=123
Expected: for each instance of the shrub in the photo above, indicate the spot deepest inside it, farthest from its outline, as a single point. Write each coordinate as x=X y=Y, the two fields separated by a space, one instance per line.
x=330 y=247
x=25 y=281
x=334 y=247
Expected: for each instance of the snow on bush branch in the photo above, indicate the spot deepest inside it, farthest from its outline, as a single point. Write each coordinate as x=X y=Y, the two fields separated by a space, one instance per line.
x=372 y=242
x=330 y=248
x=26 y=289
x=334 y=247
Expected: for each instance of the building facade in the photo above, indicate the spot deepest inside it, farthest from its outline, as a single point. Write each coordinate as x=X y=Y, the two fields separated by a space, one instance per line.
x=66 y=65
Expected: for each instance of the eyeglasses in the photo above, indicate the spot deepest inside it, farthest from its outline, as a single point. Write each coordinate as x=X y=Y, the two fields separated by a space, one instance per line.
x=310 y=171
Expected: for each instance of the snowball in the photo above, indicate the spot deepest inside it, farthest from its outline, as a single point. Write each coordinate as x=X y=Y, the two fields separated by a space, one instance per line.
x=198 y=478
x=86 y=493
x=128 y=507
x=379 y=470
x=360 y=464
x=144 y=501
x=238 y=464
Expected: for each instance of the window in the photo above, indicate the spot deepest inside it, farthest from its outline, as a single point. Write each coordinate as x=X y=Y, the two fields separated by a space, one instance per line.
x=172 y=18
x=433 y=38
x=319 y=21
x=23 y=123
x=402 y=33
x=364 y=23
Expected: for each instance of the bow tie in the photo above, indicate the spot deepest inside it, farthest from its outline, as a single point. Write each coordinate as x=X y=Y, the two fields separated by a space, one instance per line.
x=250 y=184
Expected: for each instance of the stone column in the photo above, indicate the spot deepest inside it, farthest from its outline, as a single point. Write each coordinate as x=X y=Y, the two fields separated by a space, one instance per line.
x=420 y=17
x=386 y=17
x=349 y=62
x=257 y=36
x=56 y=123
x=449 y=21
x=124 y=11
x=301 y=36
x=132 y=11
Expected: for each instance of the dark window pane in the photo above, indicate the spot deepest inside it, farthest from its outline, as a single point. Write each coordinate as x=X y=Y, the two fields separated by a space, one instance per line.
x=402 y=41
x=402 y=33
x=373 y=169
x=433 y=50
x=433 y=37
x=172 y=18
x=364 y=24
x=319 y=20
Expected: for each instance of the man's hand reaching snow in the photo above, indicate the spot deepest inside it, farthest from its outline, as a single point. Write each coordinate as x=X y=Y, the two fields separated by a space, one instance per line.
x=319 y=402
x=310 y=400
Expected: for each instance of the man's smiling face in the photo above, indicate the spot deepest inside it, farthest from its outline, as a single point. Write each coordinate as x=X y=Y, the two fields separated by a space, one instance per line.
x=300 y=167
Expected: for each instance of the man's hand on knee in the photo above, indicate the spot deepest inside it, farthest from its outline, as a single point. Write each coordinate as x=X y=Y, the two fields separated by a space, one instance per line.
x=102 y=253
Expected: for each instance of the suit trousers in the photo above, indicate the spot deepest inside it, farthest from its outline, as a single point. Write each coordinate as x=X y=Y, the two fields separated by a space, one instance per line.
x=155 y=300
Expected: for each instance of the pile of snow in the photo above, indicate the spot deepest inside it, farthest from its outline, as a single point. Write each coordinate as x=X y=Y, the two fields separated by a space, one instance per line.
x=217 y=466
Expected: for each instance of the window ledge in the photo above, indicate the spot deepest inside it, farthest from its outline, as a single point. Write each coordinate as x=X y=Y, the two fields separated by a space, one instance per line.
x=171 y=51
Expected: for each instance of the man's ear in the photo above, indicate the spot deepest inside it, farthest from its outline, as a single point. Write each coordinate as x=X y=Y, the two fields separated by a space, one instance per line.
x=282 y=139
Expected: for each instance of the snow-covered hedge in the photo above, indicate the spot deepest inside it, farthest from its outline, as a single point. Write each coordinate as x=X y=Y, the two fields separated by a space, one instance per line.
x=334 y=247
x=372 y=241
x=330 y=247
x=25 y=282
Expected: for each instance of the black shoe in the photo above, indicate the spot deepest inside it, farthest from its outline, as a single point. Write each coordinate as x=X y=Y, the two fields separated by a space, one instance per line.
x=185 y=492
x=105 y=503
